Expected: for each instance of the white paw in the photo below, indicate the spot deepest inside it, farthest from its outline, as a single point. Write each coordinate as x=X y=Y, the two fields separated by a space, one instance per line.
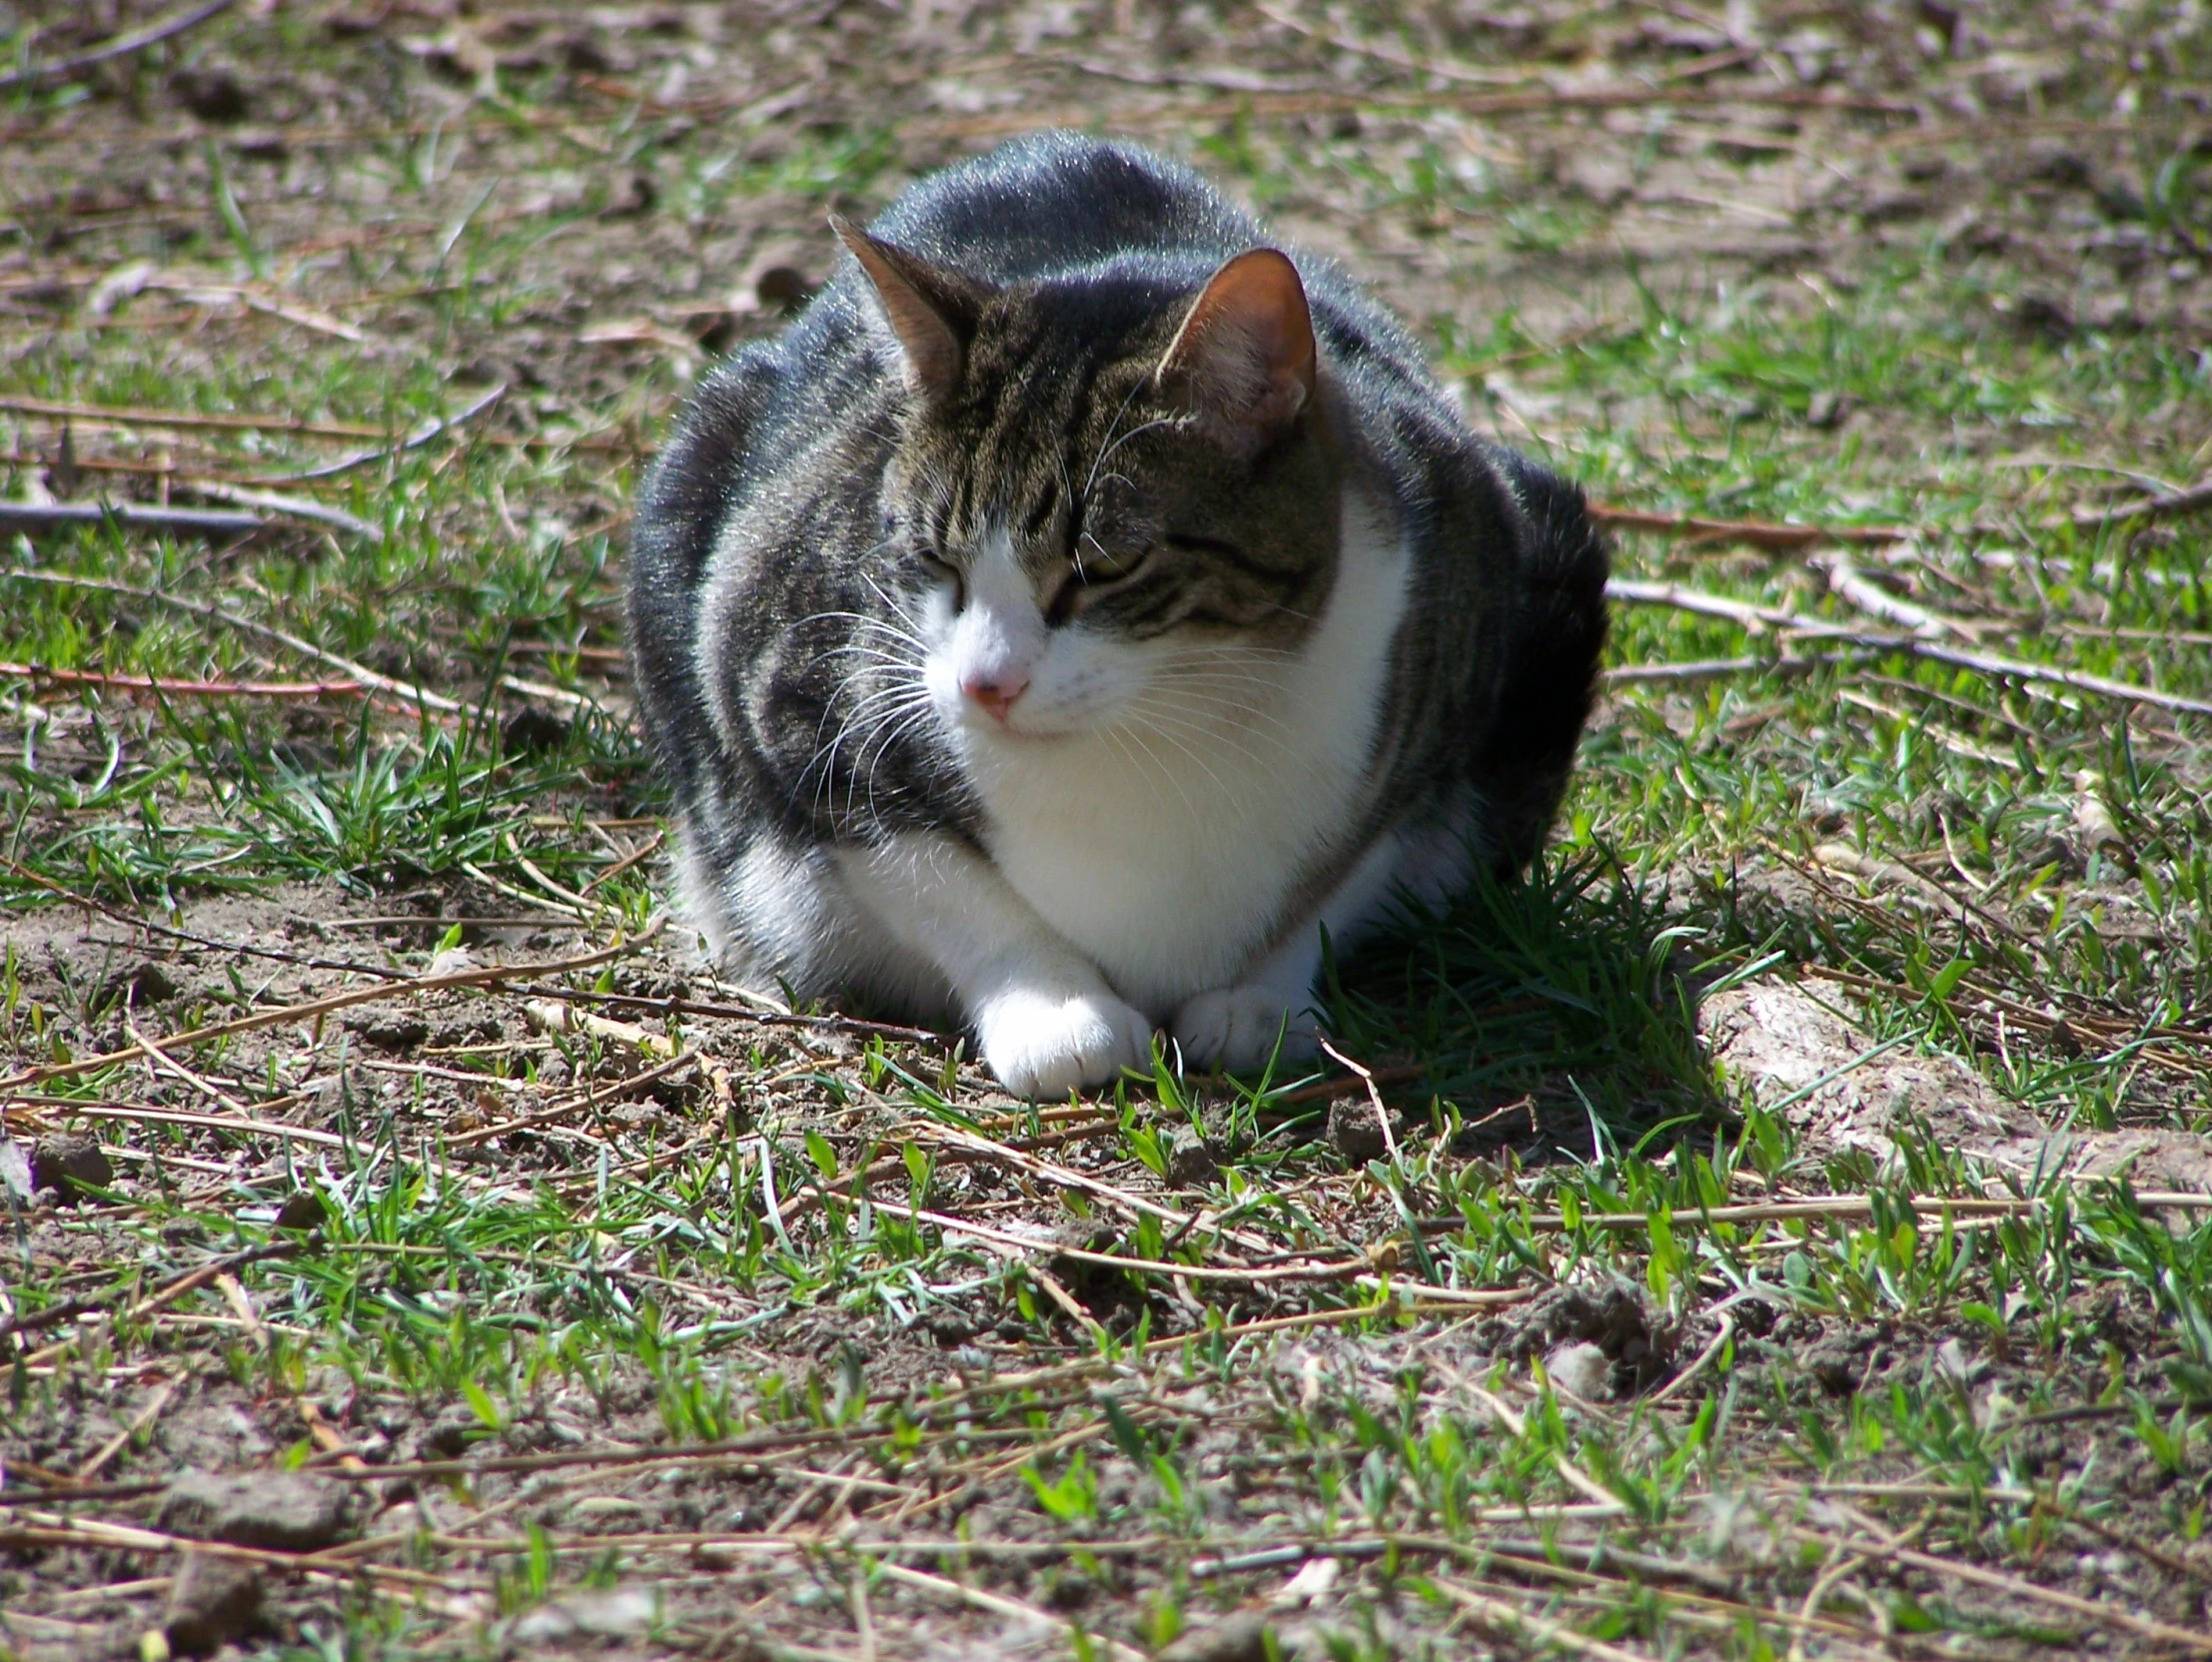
x=1048 y=1043
x=1235 y=1029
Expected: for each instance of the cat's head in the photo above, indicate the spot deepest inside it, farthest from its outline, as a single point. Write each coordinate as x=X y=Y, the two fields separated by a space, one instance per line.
x=1110 y=496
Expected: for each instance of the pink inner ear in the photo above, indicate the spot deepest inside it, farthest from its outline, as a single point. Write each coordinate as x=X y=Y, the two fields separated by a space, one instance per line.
x=932 y=349
x=1246 y=349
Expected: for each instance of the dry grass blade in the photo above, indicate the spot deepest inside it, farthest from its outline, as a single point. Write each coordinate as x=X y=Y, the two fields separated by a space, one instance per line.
x=172 y=687
x=282 y=505
x=119 y=46
x=198 y=521
x=1749 y=533
x=1818 y=1207
x=425 y=433
x=2169 y=504
x=1374 y=1098
x=115 y=1445
x=167 y=1294
x=1760 y=619
x=243 y=1124
x=1005 y=1240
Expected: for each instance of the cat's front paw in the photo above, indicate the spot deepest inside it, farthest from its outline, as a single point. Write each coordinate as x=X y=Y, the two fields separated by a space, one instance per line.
x=1047 y=1044
x=1235 y=1029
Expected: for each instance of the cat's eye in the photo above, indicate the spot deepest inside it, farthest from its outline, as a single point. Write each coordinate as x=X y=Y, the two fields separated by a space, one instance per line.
x=943 y=570
x=1096 y=572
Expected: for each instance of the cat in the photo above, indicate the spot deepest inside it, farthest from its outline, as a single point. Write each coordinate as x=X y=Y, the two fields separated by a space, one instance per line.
x=1083 y=612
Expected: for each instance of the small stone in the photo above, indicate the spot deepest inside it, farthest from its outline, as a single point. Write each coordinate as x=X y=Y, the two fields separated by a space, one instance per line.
x=214 y=95
x=2093 y=827
x=1833 y=1365
x=398 y=1031
x=1594 y=173
x=607 y=1507
x=69 y=1163
x=531 y=730
x=453 y=1433
x=615 y=1613
x=451 y=960
x=1953 y=1366
x=302 y=1209
x=2045 y=317
x=212 y=1601
x=1583 y=1370
x=281 y=1511
x=16 y=1182
x=1190 y=1163
x=1826 y=409
x=1892 y=206
x=140 y=986
x=1356 y=1128
x=1241 y=1637
x=1314 y=1580
x=2067 y=168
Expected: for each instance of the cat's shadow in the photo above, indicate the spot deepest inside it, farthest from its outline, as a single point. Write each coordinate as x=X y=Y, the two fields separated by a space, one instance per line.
x=1554 y=1017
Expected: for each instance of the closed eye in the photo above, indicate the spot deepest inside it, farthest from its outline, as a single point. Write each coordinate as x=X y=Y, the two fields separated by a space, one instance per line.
x=1090 y=576
x=945 y=571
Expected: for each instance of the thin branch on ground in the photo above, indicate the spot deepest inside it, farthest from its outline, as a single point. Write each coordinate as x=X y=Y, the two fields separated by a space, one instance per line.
x=1760 y=619
x=170 y=688
x=119 y=46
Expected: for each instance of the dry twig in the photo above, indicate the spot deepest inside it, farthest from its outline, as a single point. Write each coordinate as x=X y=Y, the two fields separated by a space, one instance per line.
x=1759 y=620
x=119 y=46
x=168 y=687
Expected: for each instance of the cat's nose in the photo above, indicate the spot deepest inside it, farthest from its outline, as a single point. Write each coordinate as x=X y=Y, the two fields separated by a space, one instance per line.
x=996 y=693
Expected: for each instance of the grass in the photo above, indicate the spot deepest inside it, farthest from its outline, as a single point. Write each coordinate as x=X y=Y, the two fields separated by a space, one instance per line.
x=697 y=1330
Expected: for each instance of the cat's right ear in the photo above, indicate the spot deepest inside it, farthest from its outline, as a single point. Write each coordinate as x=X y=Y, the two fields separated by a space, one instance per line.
x=930 y=312
x=1244 y=360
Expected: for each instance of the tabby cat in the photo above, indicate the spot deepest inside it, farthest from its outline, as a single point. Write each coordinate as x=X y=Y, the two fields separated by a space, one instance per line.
x=1083 y=610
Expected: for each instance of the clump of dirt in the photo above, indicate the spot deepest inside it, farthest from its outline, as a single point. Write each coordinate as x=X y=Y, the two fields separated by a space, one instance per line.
x=283 y=1512
x=212 y=1601
x=1613 y=1315
x=69 y=1163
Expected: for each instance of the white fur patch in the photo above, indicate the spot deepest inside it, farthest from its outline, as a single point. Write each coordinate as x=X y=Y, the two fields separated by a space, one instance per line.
x=1169 y=804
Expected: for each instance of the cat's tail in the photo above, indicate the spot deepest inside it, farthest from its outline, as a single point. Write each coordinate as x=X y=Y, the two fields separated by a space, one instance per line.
x=1549 y=681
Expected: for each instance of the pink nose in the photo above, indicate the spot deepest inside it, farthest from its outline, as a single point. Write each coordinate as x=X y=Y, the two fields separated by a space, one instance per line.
x=996 y=694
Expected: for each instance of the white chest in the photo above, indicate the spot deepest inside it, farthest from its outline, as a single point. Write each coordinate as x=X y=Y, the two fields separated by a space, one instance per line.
x=1165 y=848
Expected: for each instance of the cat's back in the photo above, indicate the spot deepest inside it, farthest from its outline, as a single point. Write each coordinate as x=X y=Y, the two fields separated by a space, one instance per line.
x=1057 y=203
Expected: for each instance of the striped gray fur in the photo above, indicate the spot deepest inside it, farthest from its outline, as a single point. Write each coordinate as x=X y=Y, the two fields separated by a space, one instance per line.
x=818 y=501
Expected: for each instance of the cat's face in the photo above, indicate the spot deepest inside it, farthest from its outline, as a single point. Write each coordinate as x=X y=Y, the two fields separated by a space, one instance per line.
x=1109 y=507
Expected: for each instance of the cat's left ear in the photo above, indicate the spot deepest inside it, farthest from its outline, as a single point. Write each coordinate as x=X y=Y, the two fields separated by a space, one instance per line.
x=932 y=311
x=1245 y=358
